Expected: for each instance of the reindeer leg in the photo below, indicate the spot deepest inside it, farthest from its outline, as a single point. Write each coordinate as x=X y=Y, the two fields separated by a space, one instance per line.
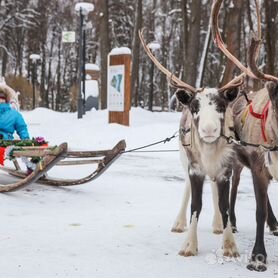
x=261 y=181
x=271 y=219
x=180 y=223
x=237 y=169
x=217 y=224
x=229 y=245
x=190 y=246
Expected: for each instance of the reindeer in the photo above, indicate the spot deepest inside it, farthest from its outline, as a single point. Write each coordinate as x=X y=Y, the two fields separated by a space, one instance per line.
x=203 y=150
x=257 y=147
x=180 y=223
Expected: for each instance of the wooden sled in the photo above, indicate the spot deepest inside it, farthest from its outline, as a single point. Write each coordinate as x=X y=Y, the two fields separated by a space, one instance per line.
x=59 y=156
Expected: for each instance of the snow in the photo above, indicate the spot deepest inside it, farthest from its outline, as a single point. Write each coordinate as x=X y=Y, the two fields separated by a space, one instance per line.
x=84 y=7
x=35 y=57
x=154 y=46
x=119 y=224
x=120 y=51
x=91 y=67
x=91 y=88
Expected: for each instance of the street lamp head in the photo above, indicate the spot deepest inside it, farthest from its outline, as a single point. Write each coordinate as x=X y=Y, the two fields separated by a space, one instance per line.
x=154 y=46
x=34 y=57
x=84 y=7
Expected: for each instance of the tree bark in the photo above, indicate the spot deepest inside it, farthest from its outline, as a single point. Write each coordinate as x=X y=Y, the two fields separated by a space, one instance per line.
x=270 y=35
x=104 y=50
x=43 y=71
x=136 y=54
x=233 y=23
x=193 y=49
x=151 y=92
x=58 y=93
x=184 y=34
x=49 y=74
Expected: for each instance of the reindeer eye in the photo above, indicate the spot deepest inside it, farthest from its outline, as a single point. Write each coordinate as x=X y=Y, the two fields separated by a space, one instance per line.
x=194 y=106
x=221 y=106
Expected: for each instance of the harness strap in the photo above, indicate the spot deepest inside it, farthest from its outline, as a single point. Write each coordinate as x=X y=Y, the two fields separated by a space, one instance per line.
x=262 y=117
x=244 y=115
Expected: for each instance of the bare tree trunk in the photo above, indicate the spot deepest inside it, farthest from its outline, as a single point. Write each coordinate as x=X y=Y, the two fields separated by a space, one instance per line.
x=184 y=34
x=233 y=23
x=270 y=35
x=104 y=50
x=249 y=17
x=191 y=67
x=151 y=92
x=4 y=63
x=43 y=70
x=136 y=54
x=49 y=74
x=163 y=82
x=4 y=58
x=199 y=81
x=58 y=91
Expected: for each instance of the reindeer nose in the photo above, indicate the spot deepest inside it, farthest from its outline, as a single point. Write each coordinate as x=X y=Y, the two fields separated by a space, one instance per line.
x=209 y=130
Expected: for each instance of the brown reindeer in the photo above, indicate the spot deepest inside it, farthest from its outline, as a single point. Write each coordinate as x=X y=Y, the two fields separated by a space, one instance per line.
x=256 y=124
x=205 y=117
x=180 y=222
x=237 y=168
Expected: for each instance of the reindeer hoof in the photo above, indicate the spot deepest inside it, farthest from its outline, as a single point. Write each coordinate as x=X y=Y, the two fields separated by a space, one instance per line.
x=188 y=253
x=234 y=229
x=230 y=249
x=179 y=228
x=257 y=266
x=217 y=231
x=189 y=250
x=217 y=227
x=231 y=254
x=274 y=232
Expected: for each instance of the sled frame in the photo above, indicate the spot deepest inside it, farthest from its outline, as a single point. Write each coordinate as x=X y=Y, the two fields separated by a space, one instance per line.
x=59 y=156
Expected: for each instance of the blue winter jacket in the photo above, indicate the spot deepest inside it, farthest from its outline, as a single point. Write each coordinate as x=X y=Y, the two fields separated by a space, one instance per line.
x=11 y=121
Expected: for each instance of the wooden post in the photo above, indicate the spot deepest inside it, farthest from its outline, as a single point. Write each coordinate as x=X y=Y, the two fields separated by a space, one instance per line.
x=119 y=85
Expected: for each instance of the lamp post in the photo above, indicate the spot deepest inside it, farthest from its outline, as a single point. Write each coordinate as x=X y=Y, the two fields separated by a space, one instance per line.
x=83 y=9
x=153 y=47
x=34 y=58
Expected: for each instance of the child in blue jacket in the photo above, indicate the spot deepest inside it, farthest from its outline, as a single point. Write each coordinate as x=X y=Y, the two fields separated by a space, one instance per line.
x=10 y=119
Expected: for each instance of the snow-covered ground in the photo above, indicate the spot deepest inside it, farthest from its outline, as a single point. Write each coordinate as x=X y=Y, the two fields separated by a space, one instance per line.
x=118 y=225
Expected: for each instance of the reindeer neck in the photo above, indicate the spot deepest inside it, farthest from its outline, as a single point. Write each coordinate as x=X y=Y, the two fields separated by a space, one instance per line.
x=252 y=121
x=272 y=127
x=213 y=157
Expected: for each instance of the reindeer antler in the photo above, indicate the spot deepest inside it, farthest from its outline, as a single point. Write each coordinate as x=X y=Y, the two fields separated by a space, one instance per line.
x=254 y=46
x=252 y=70
x=220 y=44
x=175 y=81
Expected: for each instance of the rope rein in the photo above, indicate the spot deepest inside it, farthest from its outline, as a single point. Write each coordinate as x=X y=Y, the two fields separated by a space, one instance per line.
x=183 y=132
x=166 y=140
x=231 y=140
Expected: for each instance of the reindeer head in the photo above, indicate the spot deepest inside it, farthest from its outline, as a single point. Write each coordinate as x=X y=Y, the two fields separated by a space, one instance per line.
x=208 y=105
x=208 y=108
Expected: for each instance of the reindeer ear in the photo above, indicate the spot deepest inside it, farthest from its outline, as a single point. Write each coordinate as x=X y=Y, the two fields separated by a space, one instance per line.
x=230 y=94
x=184 y=97
x=272 y=88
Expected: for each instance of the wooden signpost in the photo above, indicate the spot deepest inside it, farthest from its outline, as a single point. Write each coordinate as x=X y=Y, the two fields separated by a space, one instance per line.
x=119 y=85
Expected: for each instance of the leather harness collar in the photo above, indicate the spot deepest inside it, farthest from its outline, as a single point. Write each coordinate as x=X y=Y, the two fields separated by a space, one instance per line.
x=262 y=117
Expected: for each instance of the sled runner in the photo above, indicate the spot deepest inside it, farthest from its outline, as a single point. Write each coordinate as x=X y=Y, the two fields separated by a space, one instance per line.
x=50 y=157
